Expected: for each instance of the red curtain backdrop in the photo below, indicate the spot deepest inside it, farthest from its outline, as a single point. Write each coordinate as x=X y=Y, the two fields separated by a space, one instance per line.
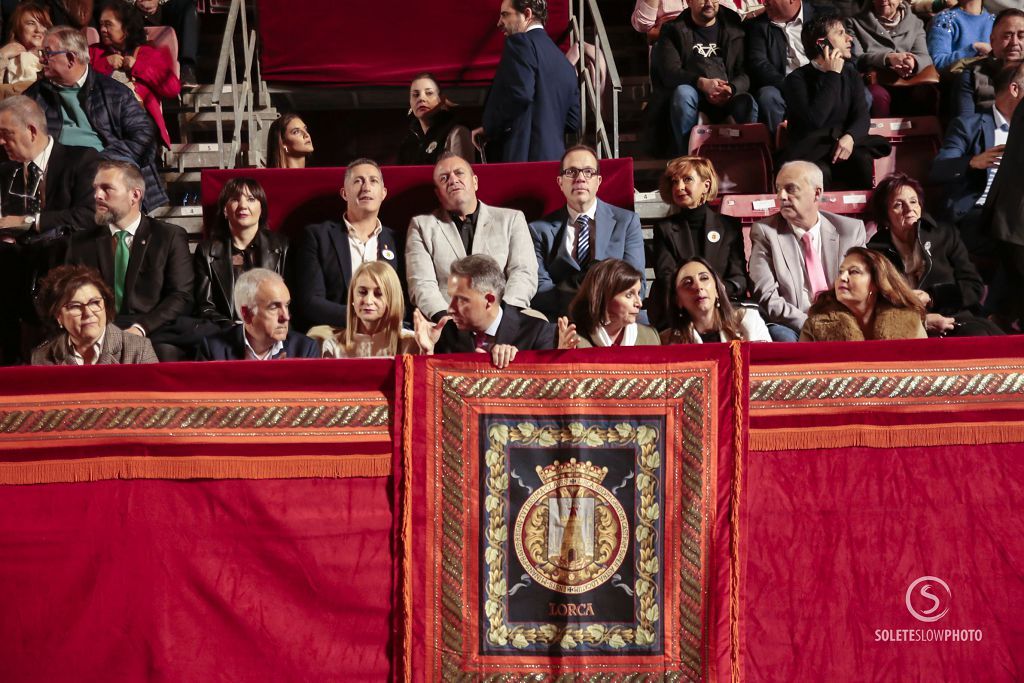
x=331 y=43
x=300 y=197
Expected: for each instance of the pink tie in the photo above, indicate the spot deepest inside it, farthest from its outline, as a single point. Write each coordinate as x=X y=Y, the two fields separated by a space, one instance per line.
x=815 y=272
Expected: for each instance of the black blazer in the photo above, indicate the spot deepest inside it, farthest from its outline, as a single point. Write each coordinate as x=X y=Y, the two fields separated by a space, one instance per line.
x=322 y=270
x=68 y=204
x=766 y=49
x=1004 y=207
x=824 y=100
x=673 y=244
x=158 y=284
x=525 y=332
x=230 y=345
x=215 y=278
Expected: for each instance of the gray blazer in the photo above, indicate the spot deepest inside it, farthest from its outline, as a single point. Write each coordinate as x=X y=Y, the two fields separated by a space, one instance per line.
x=433 y=243
x=776 y=266
x=872 y=42
x=119 y=348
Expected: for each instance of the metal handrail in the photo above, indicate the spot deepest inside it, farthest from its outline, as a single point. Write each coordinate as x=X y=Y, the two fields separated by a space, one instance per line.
x=590 y=88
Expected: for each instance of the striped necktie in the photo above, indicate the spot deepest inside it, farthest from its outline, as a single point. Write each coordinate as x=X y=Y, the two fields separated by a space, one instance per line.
x=583 y=239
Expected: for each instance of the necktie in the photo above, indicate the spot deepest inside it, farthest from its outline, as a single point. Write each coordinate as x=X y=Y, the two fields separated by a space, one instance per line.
x=466 y=232
x=480 y=340
x=33 y=176
x=815 y=272
x=583 y=239
x=991 y=174
x=120 y=267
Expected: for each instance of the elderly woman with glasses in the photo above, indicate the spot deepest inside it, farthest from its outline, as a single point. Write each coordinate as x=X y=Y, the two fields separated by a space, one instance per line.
x=77 y=298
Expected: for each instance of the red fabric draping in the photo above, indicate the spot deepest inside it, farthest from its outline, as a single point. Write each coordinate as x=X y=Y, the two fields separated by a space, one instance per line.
x=299 y=197
x=326 y=42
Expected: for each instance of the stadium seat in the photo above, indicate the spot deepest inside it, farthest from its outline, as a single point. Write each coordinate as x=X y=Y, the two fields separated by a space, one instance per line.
x=915 y=141
x=741 y=154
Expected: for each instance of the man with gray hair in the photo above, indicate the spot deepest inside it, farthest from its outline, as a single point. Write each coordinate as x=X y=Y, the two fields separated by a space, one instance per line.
x=88 y=109
x=477 y=320
x=262 y=302
x=796 y=253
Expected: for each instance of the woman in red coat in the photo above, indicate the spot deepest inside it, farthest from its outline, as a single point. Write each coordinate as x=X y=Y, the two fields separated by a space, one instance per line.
x=124 y=54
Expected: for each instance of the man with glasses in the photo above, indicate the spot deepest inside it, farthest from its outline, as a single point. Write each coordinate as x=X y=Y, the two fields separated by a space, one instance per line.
x=461 y=226
x=586 y=230
x=88 y=109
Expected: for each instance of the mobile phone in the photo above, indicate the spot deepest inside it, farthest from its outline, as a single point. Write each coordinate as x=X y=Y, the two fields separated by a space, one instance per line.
x=822 y=43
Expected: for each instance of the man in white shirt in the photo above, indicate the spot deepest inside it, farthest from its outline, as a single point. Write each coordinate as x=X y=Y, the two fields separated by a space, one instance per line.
x=796 y=253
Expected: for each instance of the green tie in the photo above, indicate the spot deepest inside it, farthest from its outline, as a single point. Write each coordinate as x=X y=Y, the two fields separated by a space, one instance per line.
x=120 y=266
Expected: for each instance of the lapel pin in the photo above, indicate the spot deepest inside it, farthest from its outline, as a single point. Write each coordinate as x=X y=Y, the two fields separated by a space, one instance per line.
x=714 y=236
x=431 y=147
x=387 y=254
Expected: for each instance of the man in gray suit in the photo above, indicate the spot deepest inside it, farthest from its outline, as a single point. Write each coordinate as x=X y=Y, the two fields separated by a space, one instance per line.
x=581 y=233
x=464 y=225
x=796 y=253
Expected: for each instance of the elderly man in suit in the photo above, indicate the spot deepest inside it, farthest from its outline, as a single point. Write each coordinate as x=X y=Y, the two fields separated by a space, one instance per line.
x=476 y=319
x=331 y=251
x=464 y=225
x=535 y=97
x=144 y=261
x=795 y=254
x=582 y=232
x=261 y=301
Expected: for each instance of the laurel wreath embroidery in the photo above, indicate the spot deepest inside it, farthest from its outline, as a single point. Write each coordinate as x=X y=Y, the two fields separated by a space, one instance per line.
x=647 y=563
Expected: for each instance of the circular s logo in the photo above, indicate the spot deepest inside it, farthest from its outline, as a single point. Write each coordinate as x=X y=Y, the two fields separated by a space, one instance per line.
x=931 y=596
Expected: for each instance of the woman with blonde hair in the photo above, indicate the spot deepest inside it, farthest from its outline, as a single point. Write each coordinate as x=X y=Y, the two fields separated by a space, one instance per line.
x=869 y=300
x=689 y=183
x=374 y=317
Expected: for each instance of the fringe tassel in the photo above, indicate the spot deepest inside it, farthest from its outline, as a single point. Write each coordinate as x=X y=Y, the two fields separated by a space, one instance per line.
x=405 y=532
x=902 y=436
x=193 y=467
x=739 y=423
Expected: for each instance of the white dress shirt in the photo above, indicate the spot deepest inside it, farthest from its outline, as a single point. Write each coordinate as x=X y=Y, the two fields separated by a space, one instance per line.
x=795 y=55
x=362 y=252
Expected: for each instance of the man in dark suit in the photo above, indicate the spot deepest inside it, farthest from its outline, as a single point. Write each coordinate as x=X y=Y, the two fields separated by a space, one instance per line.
x=967 y=163
x=261 y=301
x=773 y=50
x=535 y=98
x=331 y=251
x=974 y=90
x=697 y=66
x=45 y=193
x=478 y=321
x=582 y=232
x=145 y=261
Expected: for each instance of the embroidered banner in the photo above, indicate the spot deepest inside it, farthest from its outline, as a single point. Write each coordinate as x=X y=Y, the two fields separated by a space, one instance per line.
x=564 y=520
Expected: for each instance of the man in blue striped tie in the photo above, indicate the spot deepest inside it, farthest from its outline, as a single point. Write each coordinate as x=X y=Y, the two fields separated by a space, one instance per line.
x=584 y=231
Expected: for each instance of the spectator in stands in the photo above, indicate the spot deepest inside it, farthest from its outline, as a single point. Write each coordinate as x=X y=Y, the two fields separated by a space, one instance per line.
x=959 y=33
x=88 y=109
x=125 y=55
x=144 y=261
x=890 y=46
x=38 y=214
x=968 y=160
x=239 y=241
x=331 y=251
x=870 y=300
x=697 y=67
x=476 y=318
x=827 y=113
x=774 y=50
x=976 y=85
x=19 y=58
x=605 y=310
x=180 y=15
x=932 y=258
x=796 y=253
x=464 y=225
x=77 y=299
x=696 y=229
x=74 y=13
x=583 y=232
x=288 y=142
x=261 y=301
x=700 y=311
x=374 y=314
x=535 y=96
x=433 y=126
x=651 y=14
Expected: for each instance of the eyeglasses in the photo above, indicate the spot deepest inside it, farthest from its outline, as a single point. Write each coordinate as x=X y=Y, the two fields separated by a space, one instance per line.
x=46 y=54
x=30 y=196
x=77 y=309
x=573 y=172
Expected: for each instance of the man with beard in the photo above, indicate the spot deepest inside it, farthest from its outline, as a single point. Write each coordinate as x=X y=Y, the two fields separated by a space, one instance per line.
x=146 y=262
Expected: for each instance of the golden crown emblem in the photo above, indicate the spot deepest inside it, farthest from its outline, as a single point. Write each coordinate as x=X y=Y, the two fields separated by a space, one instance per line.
x=582 y=470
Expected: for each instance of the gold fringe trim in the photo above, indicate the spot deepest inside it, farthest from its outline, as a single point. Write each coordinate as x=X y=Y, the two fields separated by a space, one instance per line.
x=193 y=467
x=900 y=436
x=739 y=423
x=404 y=672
